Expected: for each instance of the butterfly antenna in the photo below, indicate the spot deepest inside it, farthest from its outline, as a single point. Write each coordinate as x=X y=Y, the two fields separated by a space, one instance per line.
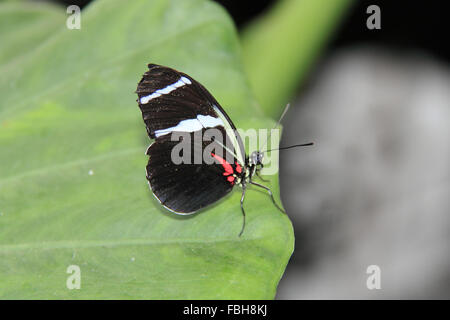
x=293 y=146
x=277 y=124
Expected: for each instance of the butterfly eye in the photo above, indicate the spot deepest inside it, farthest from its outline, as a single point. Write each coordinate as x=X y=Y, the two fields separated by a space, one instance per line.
x=260 y=157
x=254 y=157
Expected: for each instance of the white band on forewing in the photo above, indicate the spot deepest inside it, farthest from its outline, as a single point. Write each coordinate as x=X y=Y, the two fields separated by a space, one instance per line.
x=183 y=81
x=191 y=125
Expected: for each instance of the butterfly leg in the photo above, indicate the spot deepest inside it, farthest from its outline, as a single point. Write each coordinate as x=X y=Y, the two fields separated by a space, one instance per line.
x=270 y=193
x=257 y=174
x=242 y=208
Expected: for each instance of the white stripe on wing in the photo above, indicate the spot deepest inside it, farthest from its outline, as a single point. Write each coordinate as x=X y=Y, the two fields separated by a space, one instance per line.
x=191 y=125
x=183 y=81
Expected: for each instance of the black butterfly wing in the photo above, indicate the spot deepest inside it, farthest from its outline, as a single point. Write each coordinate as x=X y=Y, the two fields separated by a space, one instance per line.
x=187 y=187
x=172 y=102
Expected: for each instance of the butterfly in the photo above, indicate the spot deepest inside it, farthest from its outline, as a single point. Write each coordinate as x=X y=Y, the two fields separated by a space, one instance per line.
x=173 y=105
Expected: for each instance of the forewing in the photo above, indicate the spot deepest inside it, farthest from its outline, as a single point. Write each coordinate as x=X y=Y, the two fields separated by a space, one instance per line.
x=166 y=97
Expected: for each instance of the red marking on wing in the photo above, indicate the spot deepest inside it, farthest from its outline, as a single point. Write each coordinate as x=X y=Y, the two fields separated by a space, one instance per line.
x=226 y=166
x=238 y=167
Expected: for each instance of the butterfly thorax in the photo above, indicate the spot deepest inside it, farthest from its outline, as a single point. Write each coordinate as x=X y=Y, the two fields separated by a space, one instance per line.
x=253 y=165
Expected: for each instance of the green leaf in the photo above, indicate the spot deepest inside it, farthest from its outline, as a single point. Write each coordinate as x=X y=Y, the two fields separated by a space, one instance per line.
x=280 y=47
x=72 y=177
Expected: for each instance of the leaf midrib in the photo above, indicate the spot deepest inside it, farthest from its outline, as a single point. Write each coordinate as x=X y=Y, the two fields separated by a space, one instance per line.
x=74 y=244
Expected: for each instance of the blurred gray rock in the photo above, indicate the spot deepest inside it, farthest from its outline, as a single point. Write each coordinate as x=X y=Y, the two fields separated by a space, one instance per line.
x=374 y=190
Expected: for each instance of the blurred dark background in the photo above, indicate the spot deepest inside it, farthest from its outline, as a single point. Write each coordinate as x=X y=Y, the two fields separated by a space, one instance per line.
x=374 y=189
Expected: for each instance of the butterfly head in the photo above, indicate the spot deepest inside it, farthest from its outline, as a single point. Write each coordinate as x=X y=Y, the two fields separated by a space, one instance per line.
x=256 y=158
